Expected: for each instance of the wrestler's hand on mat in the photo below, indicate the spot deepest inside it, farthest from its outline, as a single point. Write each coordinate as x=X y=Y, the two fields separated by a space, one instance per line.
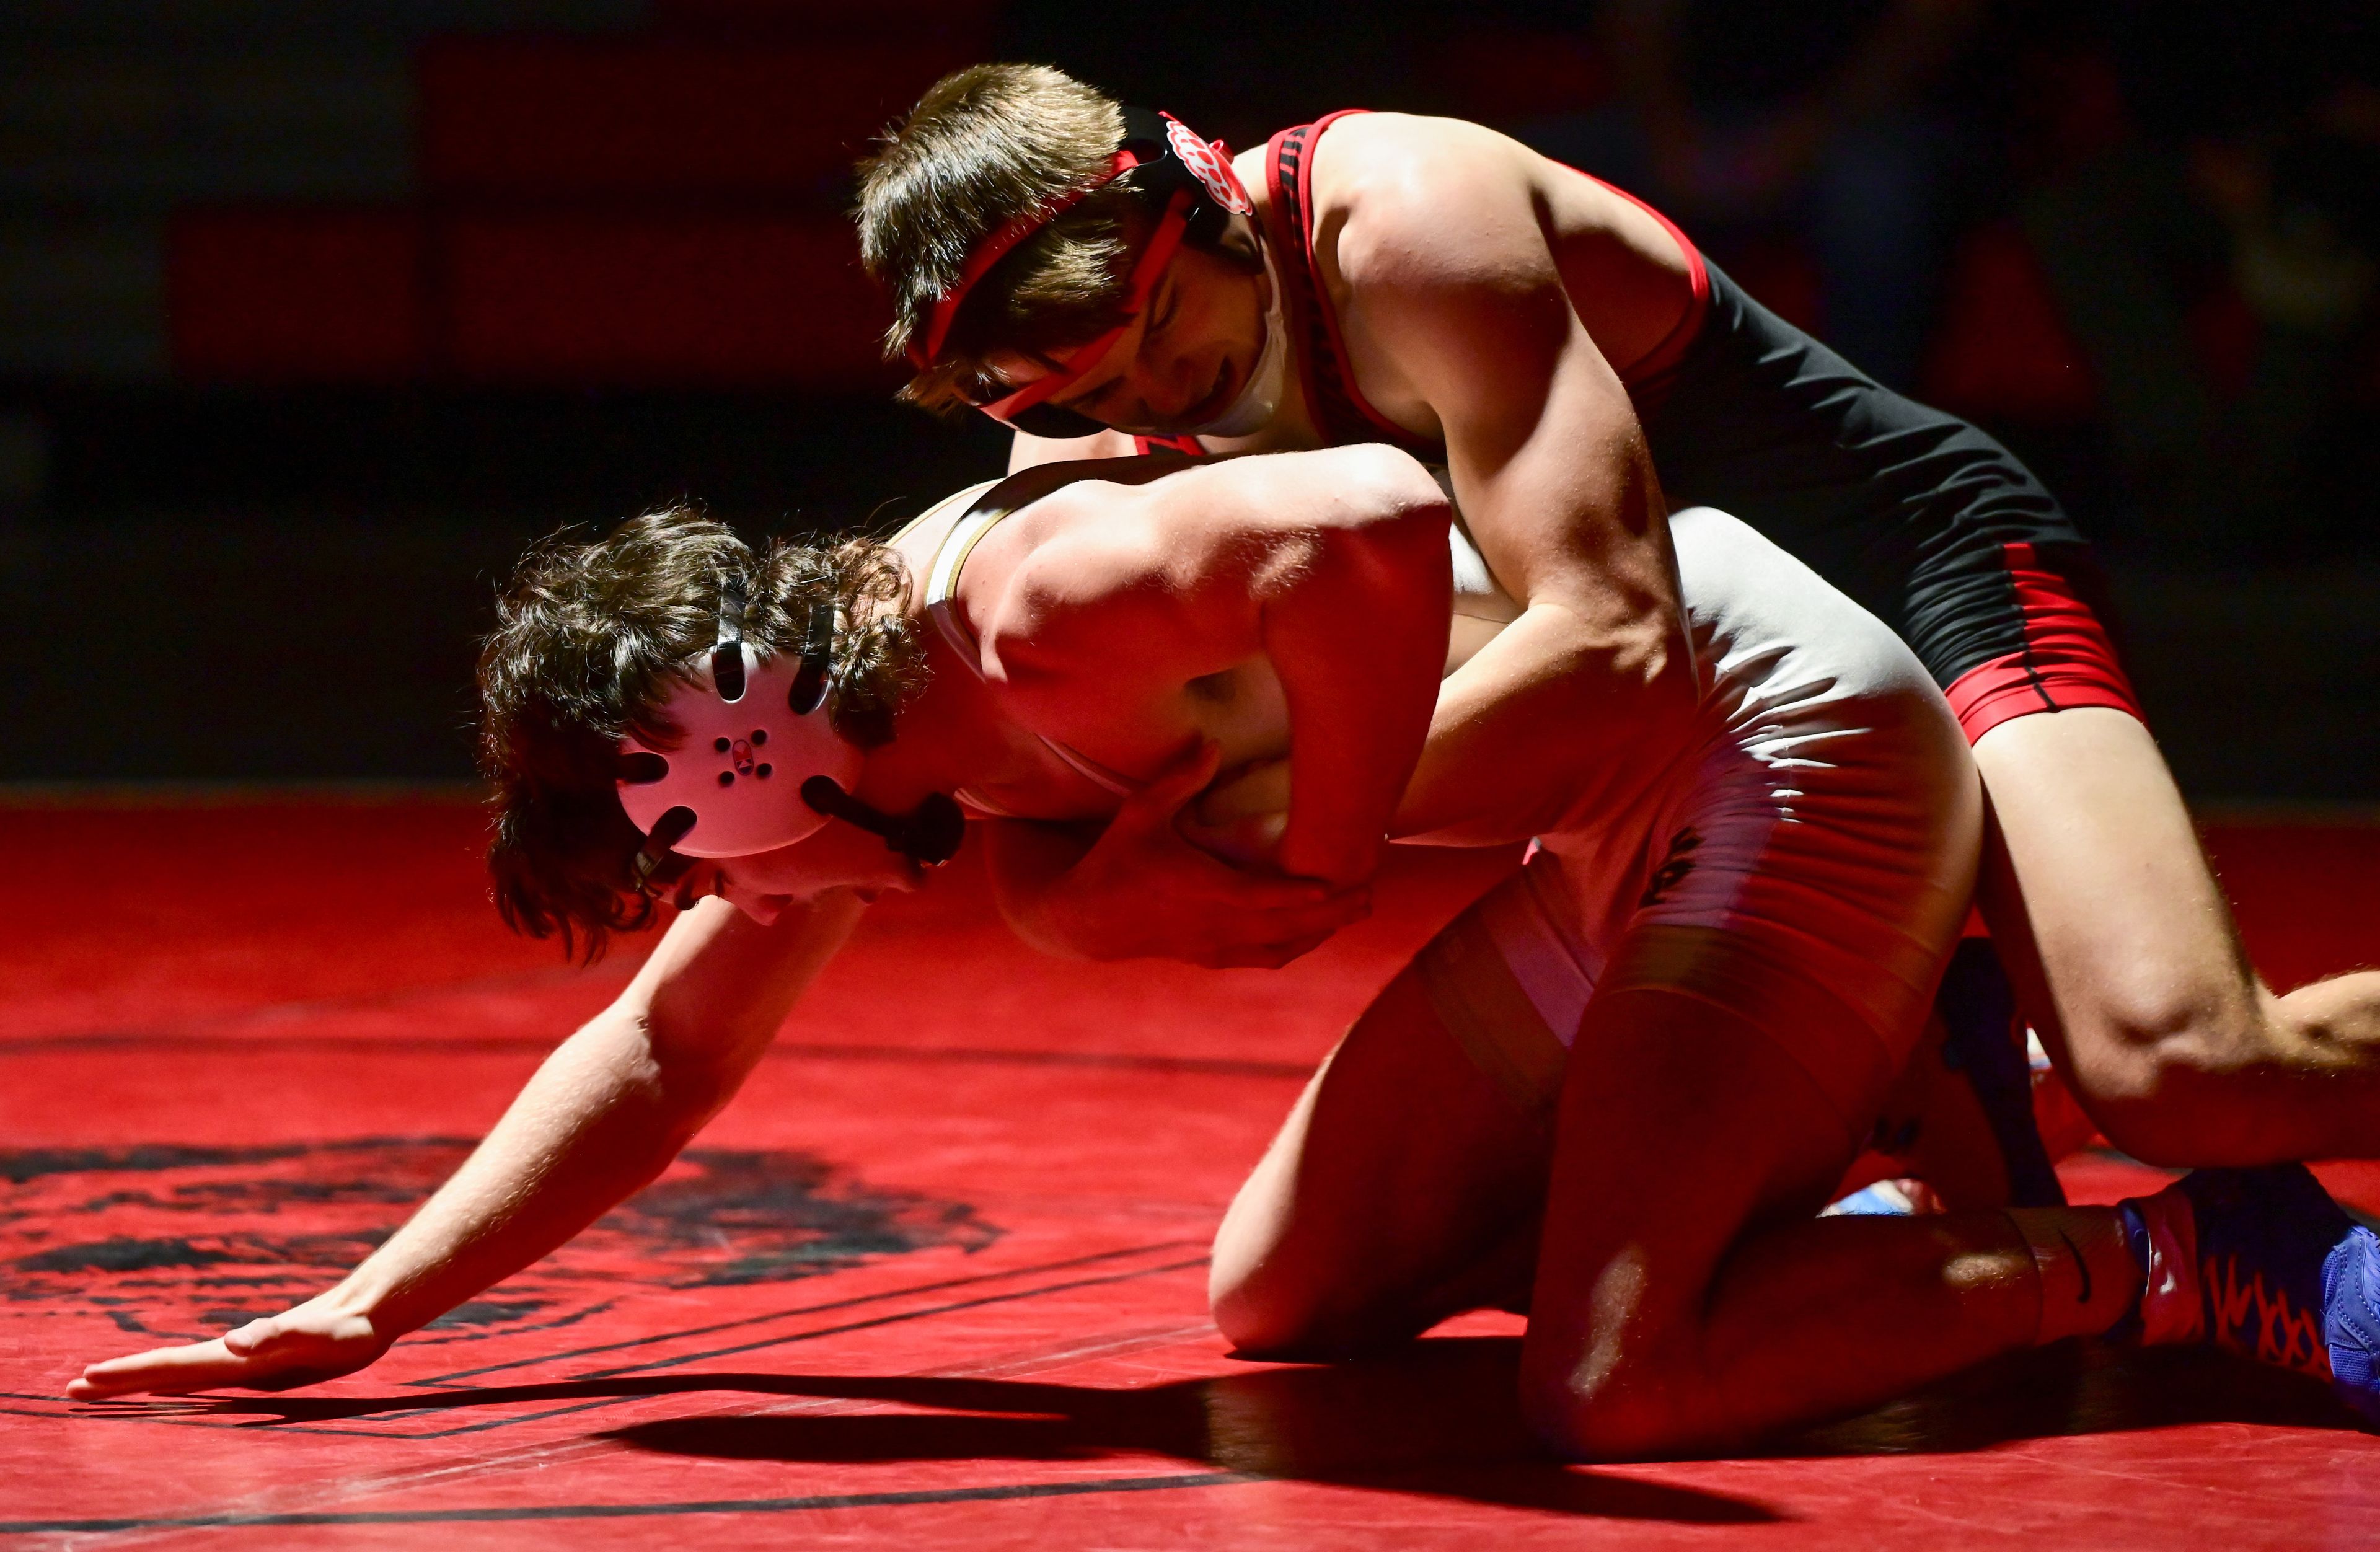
x=315 y=1342
x=1144 y=891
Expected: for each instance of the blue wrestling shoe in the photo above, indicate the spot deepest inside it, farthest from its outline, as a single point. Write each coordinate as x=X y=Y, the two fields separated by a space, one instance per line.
x=1885 y=1198
x=2263 y=1263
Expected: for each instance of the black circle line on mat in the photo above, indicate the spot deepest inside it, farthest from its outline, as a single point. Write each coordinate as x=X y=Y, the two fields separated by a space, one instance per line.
x=1218 y=1066
x=174 y=1243
x=624 y=1511
x=135 y=1412
x=939 y=1285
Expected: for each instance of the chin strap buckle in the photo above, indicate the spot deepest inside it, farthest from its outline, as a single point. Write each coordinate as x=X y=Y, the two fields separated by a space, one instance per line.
x=929 y=834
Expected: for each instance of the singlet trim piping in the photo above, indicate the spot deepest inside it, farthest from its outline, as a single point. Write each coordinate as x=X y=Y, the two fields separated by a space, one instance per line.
x=941 y=585
x=1293 y=202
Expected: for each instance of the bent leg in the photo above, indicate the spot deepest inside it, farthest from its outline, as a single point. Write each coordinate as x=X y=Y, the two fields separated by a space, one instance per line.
x=1404 y=1188
x=1685 y=1299
x=2125 y=954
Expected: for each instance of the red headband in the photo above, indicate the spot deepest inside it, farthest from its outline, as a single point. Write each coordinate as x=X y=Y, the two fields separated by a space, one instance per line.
x=1070 y=368
x=995 y=248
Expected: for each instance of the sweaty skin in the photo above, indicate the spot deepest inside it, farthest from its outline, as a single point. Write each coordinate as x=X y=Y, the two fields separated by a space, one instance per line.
x=1654 y=1336
x=1486 y=296
x=1211 y=598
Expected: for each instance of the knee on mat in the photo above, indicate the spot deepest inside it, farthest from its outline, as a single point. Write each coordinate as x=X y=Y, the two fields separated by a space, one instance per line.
x=2167 y=1088
x=1261 y=1314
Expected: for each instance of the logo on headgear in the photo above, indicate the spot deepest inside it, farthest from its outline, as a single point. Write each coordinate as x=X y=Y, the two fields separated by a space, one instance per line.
x=1207 y=161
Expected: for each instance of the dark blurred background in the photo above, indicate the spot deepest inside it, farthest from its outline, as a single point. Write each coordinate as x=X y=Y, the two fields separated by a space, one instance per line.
x=312 y=316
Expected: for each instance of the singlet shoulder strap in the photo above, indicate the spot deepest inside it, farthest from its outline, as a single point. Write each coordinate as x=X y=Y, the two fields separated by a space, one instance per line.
x=1647 y=372
x=992 y=502
x=971 y=493
x=1339 y=410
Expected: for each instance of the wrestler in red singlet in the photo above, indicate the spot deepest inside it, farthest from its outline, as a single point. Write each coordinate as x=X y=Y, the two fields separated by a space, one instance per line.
x=1923 y=518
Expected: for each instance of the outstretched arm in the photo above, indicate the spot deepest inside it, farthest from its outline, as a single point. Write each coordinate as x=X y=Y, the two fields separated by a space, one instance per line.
x=603 y=1116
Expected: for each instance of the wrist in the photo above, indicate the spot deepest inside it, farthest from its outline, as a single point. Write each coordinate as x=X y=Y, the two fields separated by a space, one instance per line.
x=376 y=1300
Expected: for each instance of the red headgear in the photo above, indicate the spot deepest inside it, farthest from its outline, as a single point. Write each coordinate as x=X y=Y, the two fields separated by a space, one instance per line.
x=1199 y=190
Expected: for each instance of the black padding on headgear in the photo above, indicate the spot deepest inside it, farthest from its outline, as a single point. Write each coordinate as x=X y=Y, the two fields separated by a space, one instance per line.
x=929 y=834
x=653 y=857
x=816 y=672
x=727 y=657
x=1161 y=174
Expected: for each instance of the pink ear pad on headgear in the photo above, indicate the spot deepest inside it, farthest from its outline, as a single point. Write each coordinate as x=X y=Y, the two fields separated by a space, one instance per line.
x=742 y=761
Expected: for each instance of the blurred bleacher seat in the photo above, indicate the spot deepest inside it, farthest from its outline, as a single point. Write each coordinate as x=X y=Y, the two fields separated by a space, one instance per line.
x=255 y=191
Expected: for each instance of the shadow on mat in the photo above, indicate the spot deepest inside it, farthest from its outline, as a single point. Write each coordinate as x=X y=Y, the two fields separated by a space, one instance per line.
x=1436 y=1417
x=2073 y=1389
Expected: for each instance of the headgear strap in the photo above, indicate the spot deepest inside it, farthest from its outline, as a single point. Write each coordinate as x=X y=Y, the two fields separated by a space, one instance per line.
x=1200 y=193
x=929 y=834
x=812 y=680
x=727 y=656
x=655 y=856
x=1071 y=368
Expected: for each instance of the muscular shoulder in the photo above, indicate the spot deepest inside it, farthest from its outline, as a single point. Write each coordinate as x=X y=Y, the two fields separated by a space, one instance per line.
x=1433 y=212
x=1400 y=196
x=1099 y=561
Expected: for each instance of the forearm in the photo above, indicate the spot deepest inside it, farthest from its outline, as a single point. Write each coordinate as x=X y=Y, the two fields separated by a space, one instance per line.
x=1358 y=642
x=599 y=1119
x=1352 y=756
x=1546 y=721
x=1031 y=867
x=608 y=1110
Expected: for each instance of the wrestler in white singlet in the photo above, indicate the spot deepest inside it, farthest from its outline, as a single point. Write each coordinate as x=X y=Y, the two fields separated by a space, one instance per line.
x=1807 y=864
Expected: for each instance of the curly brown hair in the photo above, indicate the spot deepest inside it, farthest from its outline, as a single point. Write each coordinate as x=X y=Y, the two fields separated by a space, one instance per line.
x=590 y=638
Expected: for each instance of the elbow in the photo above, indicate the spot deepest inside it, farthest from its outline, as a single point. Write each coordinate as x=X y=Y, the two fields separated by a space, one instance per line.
x=688 y=1077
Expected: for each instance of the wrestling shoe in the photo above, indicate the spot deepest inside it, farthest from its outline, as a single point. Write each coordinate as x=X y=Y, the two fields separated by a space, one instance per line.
x=2263 y=1263
x=1887 y=1198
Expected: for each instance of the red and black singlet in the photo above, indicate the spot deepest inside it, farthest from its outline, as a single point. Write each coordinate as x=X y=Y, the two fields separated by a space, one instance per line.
x=1926 y=521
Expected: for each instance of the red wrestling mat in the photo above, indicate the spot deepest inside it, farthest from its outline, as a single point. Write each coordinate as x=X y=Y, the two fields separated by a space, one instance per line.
x=936 y=1279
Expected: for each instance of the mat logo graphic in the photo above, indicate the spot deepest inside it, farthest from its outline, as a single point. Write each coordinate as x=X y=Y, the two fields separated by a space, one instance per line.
x=176 y=1242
